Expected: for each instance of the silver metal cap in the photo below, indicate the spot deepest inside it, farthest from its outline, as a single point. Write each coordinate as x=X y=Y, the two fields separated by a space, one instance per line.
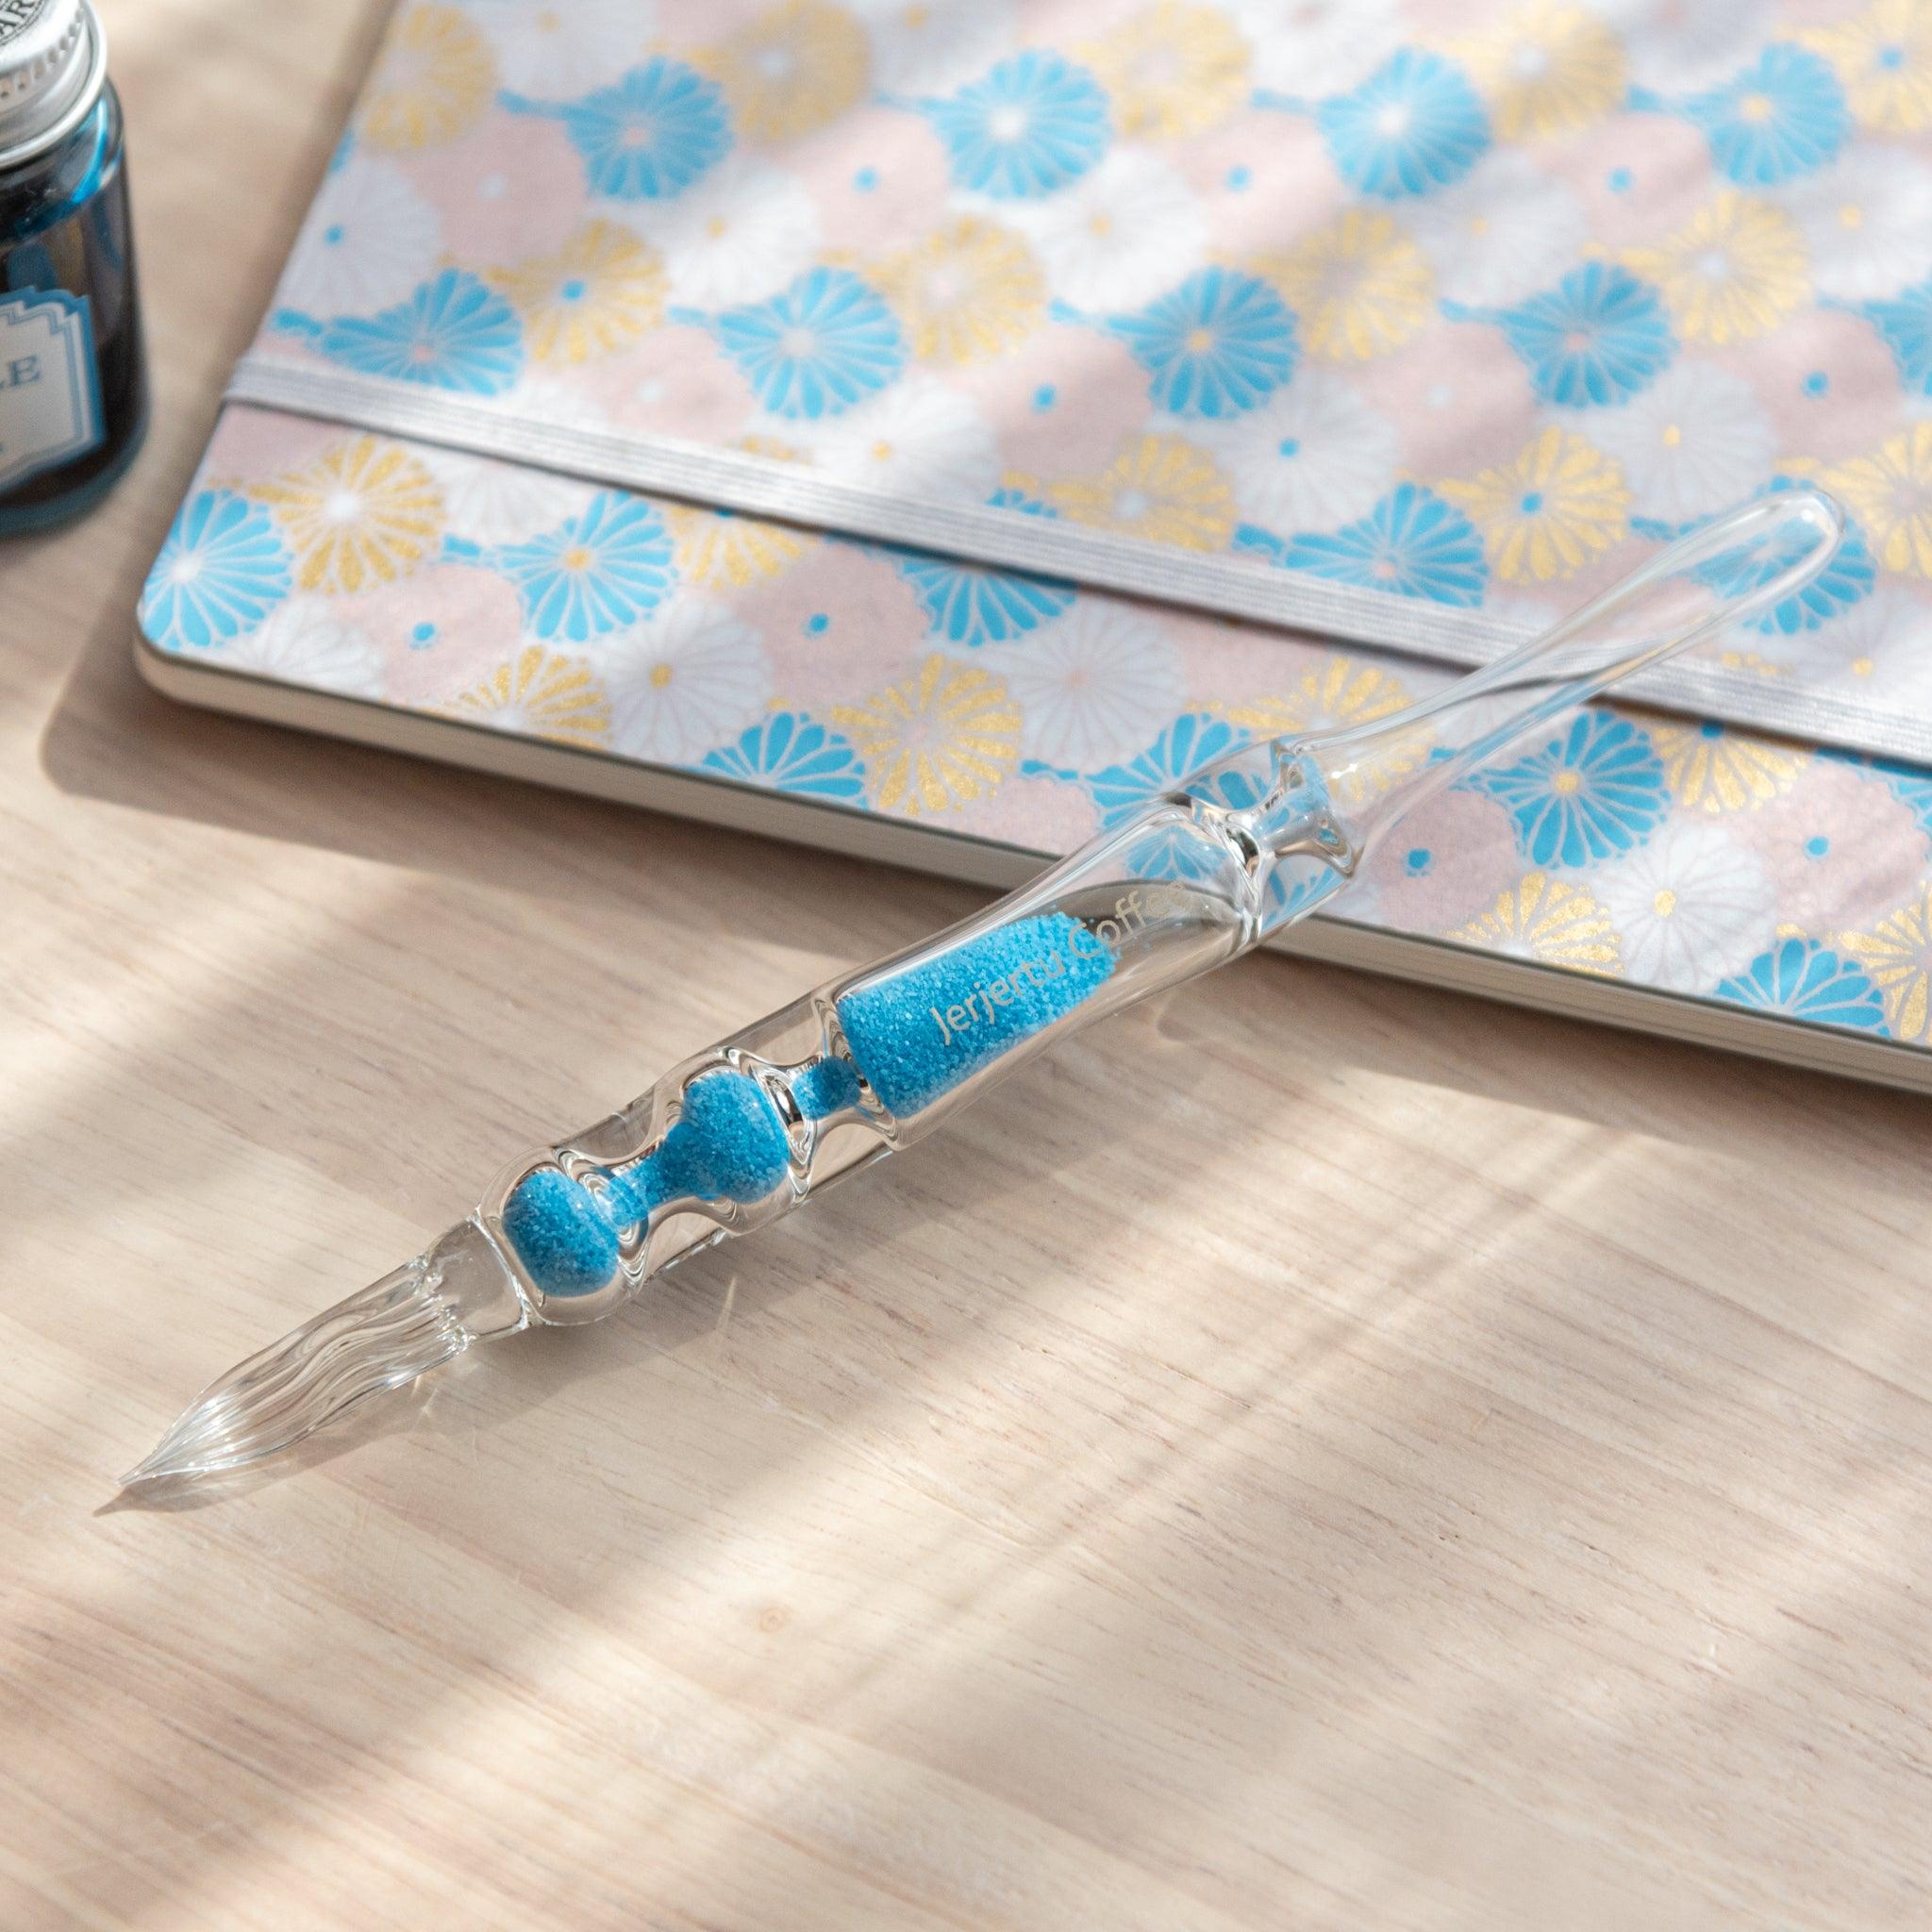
x=53 y=60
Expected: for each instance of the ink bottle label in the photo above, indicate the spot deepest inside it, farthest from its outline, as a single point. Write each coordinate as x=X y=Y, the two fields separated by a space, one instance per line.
x=73 y=390
x=50 y=386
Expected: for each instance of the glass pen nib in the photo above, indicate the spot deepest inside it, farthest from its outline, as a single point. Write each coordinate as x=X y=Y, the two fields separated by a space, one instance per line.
x=413 y=1320
x=379 y=1338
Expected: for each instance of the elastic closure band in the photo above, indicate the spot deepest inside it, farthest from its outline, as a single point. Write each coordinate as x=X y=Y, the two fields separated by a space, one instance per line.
x=1099 y=559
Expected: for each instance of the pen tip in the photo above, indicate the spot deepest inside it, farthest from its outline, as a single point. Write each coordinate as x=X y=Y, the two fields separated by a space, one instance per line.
x=385 y=1335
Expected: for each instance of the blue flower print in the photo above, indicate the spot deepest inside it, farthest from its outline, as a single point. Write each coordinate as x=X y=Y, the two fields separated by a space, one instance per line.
x=1846 y=578
x=789 y=752
x=222 y=570
x=1296 y=887
x=453 y=333
x=1412 y=543
x=1194 y=739
x=814 y=349
x=970 y=604
x=1034 y=124
x=1804 y=980
x=1216 y=346
x=602 y=571
x=1904 y=322
x=1596 y=791
x=1414 y=125
x=648 y=137
x=1598 y=336
x=1783 y=117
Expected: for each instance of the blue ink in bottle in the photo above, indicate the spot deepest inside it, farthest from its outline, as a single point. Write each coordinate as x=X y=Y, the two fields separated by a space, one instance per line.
x=73 y=392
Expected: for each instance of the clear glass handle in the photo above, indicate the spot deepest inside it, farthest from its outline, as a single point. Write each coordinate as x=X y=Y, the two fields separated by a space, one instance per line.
x=1735 y=568
x=875 y=1061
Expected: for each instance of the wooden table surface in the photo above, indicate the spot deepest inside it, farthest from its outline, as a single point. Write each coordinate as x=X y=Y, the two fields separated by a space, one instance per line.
x=1319 y=1454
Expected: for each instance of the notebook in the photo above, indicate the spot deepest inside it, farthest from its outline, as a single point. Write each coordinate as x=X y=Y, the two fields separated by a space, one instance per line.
x=926 y=431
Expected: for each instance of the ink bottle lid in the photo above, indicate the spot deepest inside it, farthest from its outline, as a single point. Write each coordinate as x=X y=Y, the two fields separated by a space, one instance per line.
x=74 y=390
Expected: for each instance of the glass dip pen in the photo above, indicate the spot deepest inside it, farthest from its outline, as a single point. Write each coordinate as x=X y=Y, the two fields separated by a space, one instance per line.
x=876 y=1059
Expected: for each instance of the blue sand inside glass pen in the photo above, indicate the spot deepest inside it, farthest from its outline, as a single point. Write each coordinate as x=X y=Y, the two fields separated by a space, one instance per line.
x=914 y=1035
x=920 y=1032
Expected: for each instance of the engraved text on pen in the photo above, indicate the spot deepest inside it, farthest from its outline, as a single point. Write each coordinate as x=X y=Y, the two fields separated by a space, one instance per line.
x=1133 y=911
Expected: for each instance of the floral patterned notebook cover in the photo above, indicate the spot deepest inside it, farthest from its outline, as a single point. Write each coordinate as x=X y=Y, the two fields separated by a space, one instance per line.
x=1681 y=857
x=533 y=205
x=1407 y=322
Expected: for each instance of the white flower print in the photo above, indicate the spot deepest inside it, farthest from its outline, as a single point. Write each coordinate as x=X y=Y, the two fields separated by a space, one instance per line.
x=488 y=503
x=739 y=235
x=554 y=50
x=1508 y=230
x=1689 y=908
x=919 y=438
x=686 y=681
x=1093 y=687
x=368 y=241
x=302 y=641
x=1695 y=441
x=1312 y=457
x=548 y=399
x=1878 y=652
x=1125 y=232
x=1866 y=221
x=1681 y=47
x=1313 y=48
x=930 y=46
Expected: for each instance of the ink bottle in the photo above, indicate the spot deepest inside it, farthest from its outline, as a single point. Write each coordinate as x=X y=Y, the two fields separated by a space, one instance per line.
x=73 y=391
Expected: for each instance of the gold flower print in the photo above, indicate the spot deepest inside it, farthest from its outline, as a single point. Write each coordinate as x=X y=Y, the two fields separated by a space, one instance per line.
x=1342 y=693
x=1549 y=920
x=947 y=735
x=798 y=67
x=1883 y=59
x=1158 y=487
x=599 y=292
x=434 y=77
x=1359 y=286
x=539 y=694
x=1554 y=507
x=966 y=294
x=1547 y=69
x=721 y=551
x=1890 y=493
x=364 y=512
x=1897 y=956
x=1714 y=770
x=1737 y=269
x=1171 y=71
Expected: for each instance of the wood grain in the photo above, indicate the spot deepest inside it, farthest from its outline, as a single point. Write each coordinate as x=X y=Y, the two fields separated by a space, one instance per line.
x=1319 y=1454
